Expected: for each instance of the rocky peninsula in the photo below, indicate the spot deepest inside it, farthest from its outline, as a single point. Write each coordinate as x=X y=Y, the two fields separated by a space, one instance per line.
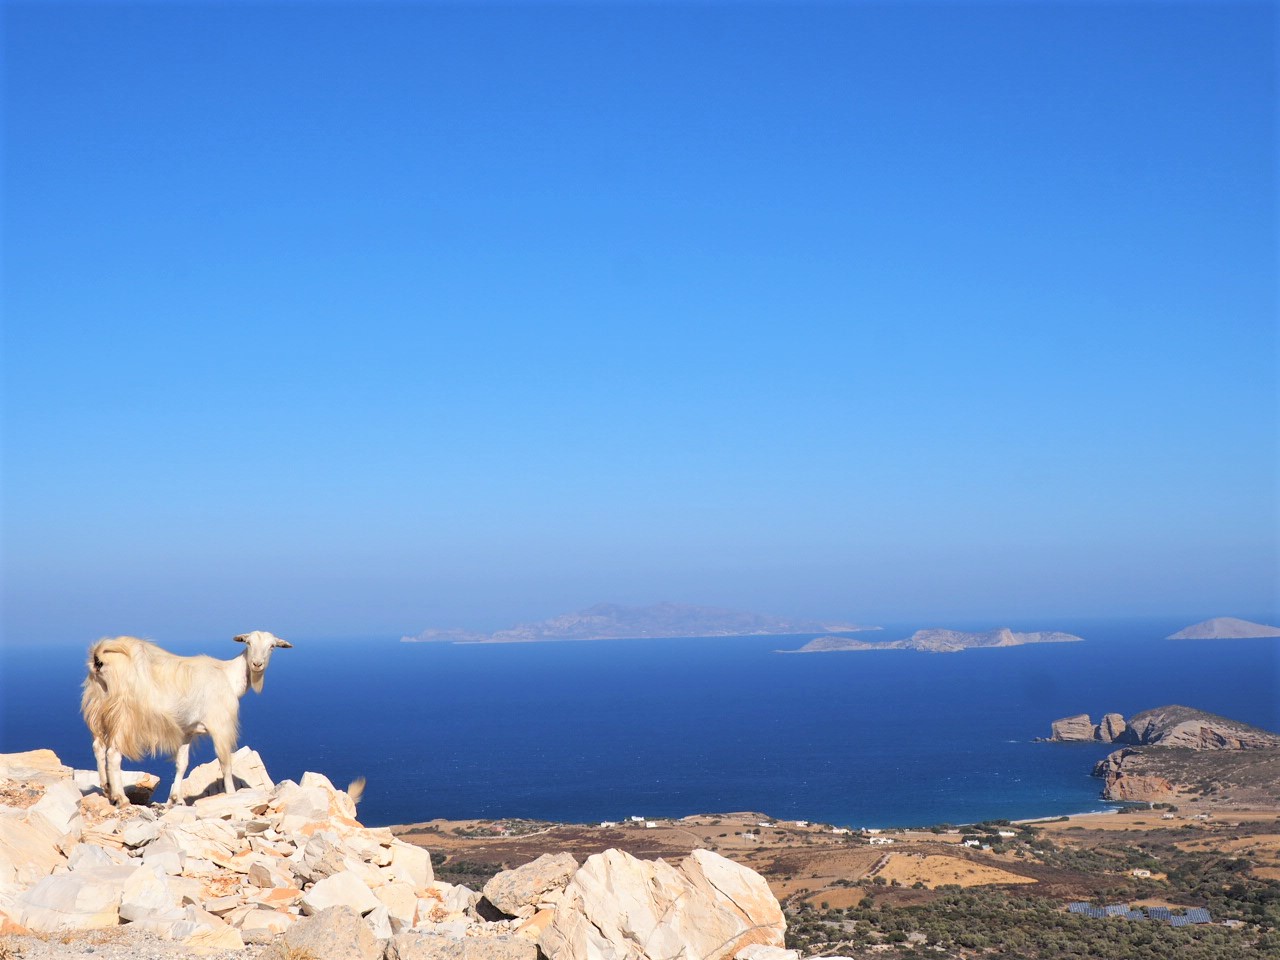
x=937 y=641
x=1225 y=628
x=1169 y=726
x=611 y=621
x=1190 y=752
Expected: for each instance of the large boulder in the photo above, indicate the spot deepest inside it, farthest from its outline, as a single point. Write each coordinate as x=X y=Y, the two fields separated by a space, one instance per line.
x=619 y=908
x=70 y=901
x=247 y=770
x=342 y=889
x=1113 y=728
x=336 y=933
x=537 y=885
x=1079 y=727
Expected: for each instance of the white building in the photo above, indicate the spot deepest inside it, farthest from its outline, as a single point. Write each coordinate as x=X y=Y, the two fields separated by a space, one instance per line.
x=877 y=841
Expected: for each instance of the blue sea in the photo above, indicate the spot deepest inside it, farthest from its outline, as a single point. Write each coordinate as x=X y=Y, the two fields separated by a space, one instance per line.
x=603 y=730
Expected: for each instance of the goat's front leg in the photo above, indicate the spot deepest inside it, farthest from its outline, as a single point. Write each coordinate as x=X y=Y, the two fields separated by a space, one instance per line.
x=225 y=747
x=100 y=755
x=180 y=759
x=115 y=792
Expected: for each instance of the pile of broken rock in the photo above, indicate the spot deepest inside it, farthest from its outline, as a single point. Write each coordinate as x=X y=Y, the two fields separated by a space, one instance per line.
x=287 y=868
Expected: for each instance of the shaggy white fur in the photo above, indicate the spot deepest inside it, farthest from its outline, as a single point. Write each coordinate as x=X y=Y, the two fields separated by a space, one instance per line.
x=140 y=699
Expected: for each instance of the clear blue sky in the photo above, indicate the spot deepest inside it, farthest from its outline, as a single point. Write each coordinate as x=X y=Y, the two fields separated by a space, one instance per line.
x=356 y=319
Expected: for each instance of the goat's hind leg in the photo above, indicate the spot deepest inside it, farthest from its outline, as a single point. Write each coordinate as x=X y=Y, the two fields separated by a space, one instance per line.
x=181 y=758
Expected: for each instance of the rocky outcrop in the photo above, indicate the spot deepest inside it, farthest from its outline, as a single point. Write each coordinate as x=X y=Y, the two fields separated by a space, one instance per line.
x=1171 y=726
x=1112 y=729
x=288 y=863
x=1122 y=783
x=536 y=886
x=1079 y=727
x=1178 y=726
x=1225 y=628
x=619 y=908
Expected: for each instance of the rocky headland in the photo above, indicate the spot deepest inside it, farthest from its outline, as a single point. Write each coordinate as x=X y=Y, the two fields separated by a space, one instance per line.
x=1191 y=751
x=1225 y=628
x=937 y=641
x=1169 y=726
x=284 y=870
x=611 y=621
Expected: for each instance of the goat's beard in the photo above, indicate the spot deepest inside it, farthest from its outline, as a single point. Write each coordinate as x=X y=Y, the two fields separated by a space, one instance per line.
x=255 y=680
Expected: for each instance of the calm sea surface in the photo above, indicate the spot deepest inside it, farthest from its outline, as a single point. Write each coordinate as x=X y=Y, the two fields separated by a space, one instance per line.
x=586 y=731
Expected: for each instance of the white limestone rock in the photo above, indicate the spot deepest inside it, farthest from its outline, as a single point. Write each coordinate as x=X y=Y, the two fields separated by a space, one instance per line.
x=335 y=933
x=440 y=902
x=379 y=922
x=258 y=924
x=39 y=766
x=343 y=889
x=537 y=885
x=68 y=902
x=401 y=902
x=619 y=908
x=410 y=864
x=28 y=850
x=247 y=770
x=148 y=890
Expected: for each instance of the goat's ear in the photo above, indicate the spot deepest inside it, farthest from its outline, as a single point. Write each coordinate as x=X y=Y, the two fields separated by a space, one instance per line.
x=282 y=643
x=243 y=638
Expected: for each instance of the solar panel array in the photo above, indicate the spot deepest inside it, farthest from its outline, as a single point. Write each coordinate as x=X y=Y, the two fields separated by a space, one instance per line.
x=1162 y=914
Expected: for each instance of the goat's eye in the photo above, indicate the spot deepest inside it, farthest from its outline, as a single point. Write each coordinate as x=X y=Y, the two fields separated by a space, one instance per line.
x=97 y=663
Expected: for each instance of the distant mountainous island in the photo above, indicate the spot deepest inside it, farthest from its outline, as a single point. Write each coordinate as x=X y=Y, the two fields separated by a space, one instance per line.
x=937 y=641
x=1225 y=628
x=611 y=621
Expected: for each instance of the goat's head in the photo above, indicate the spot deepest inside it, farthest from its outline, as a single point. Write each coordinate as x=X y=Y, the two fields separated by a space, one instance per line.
x=257 y=654
x=105 y=654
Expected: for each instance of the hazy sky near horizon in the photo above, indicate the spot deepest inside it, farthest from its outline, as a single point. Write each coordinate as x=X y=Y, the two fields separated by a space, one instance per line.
x=352 y=319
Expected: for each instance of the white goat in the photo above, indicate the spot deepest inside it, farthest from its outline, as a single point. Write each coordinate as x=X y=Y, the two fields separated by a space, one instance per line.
x=139 y=699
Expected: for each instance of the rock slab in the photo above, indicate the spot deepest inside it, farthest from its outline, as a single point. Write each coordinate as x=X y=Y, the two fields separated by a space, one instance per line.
x=619 y=908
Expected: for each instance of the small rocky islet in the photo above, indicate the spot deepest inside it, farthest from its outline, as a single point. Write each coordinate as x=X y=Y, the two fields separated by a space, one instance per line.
x=938 y=641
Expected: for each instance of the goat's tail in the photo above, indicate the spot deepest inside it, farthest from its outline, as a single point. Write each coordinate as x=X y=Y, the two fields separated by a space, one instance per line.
x=355 y=790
